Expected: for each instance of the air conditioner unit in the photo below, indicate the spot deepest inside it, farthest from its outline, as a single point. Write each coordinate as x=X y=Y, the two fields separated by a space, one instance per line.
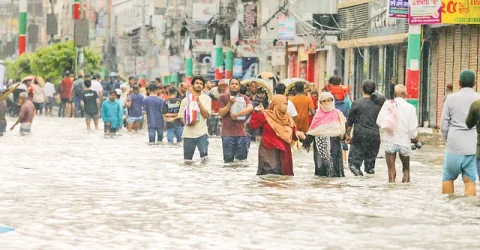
x=326 y=21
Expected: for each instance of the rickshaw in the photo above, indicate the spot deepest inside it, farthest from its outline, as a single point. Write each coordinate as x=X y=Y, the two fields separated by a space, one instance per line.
x=269 y=77
x=290 y=84
x=261 y=83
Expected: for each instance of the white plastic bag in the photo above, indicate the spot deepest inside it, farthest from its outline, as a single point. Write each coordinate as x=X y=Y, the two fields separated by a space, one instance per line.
x=390 y=117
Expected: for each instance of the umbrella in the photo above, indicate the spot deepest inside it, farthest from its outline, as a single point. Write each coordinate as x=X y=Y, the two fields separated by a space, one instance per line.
x=28 y=78
x=40 y=81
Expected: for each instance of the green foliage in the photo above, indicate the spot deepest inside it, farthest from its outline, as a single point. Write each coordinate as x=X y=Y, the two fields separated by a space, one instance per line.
x=52 y=62
x=19 y=68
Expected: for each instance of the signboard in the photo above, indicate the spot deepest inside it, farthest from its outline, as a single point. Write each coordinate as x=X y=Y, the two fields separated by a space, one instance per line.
x=398 y=9
x=425 y=12
x=249 y=20
x=461 y=11
x=234 y=33
x=381 y=24
x=278 y=58
x=202 y=45
x=202 y=13
x=286 y=29
x=248 y=48
x=174 y=64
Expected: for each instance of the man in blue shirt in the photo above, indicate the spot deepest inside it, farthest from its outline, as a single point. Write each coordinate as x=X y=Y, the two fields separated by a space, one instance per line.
x=152 y=106
x=135 y=104
x=112 y=114
x=170 y=112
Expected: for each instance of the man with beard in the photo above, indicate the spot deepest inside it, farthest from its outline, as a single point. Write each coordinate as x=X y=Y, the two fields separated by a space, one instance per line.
x=365 y=142
x=233 y=108
x=182 y=90
x=195 y=132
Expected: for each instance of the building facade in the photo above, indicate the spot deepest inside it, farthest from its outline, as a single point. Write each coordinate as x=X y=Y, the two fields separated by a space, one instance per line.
x=375 y=46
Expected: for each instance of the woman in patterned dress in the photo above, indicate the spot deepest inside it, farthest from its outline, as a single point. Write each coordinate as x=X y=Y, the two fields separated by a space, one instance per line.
x=326 y=132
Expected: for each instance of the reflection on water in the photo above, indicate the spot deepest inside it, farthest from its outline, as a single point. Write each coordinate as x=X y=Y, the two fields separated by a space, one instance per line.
x=63 y=187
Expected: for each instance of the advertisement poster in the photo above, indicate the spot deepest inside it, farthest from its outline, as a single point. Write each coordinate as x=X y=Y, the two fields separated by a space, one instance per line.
x=237 y=67
x=425 y=12
x=249 y=20
x=286 y=29
x=461 y=11
x=398 y=9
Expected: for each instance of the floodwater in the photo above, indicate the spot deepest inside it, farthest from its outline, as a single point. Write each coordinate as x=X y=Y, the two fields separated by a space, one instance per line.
x=62 y=187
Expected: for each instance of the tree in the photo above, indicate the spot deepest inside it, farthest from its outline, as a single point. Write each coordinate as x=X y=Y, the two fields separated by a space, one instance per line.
x=52 y=62
x=19 y=68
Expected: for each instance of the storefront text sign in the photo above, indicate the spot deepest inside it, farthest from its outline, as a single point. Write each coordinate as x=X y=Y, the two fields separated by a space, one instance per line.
x=425 y=12
x=461 y=11
x=398 y=9
x=381 y=24
x=286 y=29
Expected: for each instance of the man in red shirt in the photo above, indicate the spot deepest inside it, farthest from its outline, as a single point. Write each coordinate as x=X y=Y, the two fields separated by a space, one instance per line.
x=233 y=108
x=67 y=96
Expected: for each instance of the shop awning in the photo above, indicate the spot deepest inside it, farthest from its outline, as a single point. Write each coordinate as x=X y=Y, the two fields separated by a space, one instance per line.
x=372 y=41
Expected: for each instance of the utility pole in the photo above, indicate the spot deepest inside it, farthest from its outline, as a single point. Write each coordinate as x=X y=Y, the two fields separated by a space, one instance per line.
x=143 y=41
x=412 y=77
x=286 y=43
x=22 y=31
x=81 y=49
x=106 y=34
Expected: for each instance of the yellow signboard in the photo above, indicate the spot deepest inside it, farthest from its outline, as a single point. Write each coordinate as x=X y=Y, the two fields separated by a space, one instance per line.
x=461 y=11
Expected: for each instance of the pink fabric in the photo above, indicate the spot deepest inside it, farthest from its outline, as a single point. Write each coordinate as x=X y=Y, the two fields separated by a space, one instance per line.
x=322 y=118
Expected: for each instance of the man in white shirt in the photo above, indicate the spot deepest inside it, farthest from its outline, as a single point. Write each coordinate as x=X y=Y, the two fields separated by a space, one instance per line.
x=405 y=132
x=96 y=85
x=195 y=134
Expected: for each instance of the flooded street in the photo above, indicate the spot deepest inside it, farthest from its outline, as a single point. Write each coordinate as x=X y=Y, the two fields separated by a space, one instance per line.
x=63 y=187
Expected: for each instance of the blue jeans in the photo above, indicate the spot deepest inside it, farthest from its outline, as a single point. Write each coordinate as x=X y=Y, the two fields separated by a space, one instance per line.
x=174 y=132
x=235 y=147
x=78 y=108
x=155 y=131
x=189 y=145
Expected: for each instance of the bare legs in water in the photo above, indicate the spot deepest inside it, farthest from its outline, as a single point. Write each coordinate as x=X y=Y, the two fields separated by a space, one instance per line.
x=392 y=173
x=470 y=189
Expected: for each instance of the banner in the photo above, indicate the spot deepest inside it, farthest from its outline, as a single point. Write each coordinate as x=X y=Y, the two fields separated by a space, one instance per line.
x=234 y=36
x=461 y=11
x=249 y=20
x=286 y=29
x=398 y=9
x=425 y=12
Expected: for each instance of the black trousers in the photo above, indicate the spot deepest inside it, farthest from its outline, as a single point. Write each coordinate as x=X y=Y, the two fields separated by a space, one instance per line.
x=365 y=152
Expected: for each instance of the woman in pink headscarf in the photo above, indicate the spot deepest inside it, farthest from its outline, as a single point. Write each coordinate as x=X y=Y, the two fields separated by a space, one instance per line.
x=326 y=132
